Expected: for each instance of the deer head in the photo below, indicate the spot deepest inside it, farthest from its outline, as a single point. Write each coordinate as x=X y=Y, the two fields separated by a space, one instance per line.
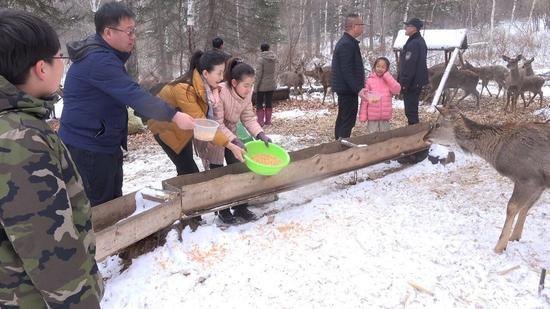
x=527 y=66
x=442 y=132
x=512 y=63
x=467 y=65
x=528 y=61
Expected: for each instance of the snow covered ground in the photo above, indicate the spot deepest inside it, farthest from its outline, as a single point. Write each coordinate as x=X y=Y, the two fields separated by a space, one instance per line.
x=420 y=237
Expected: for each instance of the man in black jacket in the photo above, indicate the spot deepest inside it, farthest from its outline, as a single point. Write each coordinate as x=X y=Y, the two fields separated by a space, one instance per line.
x=413 y=70
x=348 y=75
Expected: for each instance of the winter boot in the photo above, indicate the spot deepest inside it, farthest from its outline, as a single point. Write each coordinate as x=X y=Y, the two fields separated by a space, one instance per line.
x=226 y=216
x=260 y=113
x=268 y=112
x=243 y=212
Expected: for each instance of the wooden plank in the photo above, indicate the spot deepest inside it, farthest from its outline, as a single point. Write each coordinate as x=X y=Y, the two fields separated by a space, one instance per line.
x=234 y=187
x=119 y=236
x=231 y=188
x=176 y=183
x=111 y=212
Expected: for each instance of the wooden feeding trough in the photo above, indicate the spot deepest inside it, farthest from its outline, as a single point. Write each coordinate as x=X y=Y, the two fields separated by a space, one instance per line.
x=220 y=188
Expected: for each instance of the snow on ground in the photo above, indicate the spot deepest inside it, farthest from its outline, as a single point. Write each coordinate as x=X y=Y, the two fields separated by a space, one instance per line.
x=364 y=245
x=297 y=113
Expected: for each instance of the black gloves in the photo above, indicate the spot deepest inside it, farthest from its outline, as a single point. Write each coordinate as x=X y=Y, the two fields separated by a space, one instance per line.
x=264 y=138
x=238 y=142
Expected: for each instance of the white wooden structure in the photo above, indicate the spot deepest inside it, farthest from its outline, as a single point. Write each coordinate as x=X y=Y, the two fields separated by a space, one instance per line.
x=448 y=40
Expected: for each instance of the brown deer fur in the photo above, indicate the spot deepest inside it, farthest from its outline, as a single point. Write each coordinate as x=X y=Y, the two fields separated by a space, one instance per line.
x=518 y=151
x=531 y=83
x=497 y=73
x=514 y=81
x=459 y=79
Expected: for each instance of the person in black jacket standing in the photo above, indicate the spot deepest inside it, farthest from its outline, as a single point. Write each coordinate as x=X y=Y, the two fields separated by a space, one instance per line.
x=348 y=75
x=413 y=70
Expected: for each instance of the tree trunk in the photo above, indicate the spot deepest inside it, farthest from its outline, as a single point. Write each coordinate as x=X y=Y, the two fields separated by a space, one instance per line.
x=160 y=37
x=132 y=65
x=317 y=26
x=407 y=8
x=491 y=33
x=382 y=25
x=371 y=25
x=190 y=26
x=309 y=28
x=512 y=17
x=531 y=14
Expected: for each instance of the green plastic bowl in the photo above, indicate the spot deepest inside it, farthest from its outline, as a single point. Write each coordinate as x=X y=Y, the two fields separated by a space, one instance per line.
x=258 y=147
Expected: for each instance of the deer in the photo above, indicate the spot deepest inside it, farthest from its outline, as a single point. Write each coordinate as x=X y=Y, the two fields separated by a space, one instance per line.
x=514 y=81
x=518 y=151
x=440 y=68
x=435 y=70
x=310 y=74
x=324 y=75
x=531 y=83
x=294 y=79
x=459 y=79
x=495 y=73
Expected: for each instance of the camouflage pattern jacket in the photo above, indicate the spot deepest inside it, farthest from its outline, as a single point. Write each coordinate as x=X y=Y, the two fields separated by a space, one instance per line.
x=47 y=245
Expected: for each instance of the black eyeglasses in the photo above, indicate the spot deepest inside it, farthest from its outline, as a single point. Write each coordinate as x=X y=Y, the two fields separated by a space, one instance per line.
x=60 y=56
x=131 y=32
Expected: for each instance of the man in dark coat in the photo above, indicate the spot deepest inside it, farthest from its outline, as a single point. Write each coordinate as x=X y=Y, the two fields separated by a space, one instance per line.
x=217 y=45
x=413 y=70
x=94 y=123
x=348 y=75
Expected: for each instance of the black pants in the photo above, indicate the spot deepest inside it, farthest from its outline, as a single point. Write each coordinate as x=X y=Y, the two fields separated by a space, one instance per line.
x=184 y=160
x=230 y=159
x=101 y=174
x=260 y=96
x=348 y=105
x=411 y=99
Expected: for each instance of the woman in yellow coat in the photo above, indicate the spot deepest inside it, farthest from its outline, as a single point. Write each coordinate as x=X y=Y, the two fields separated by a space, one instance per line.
x=194 y=93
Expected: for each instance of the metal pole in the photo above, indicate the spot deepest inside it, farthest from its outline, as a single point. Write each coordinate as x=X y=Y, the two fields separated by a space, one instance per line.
x=444 y=79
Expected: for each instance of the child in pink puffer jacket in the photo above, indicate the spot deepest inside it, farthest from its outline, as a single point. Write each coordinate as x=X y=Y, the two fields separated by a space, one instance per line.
x=376 y=97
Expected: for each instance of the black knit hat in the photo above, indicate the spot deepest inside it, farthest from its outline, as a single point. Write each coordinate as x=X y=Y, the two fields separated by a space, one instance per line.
x=417 y=23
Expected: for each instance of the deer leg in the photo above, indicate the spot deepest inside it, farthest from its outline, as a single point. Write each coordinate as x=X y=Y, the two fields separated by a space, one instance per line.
x=507 y=101
x=532 y=98
x=532 y=198
x=484 y=85
x=464 y=96
x=523 y=98
x=524 y=195
x=499 y=88
x=324 y=94
x=478 y=97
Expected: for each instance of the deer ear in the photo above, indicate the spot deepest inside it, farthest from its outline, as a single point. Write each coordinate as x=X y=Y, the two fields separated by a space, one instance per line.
x=505 y=58
x=519 y=57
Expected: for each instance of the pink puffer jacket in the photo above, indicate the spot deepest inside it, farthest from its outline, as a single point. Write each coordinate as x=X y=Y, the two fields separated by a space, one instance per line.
x=227 y=112
x=386 y=86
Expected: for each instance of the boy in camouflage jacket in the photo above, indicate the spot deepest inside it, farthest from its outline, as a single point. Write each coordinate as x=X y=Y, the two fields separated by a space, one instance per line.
x=47 y=245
